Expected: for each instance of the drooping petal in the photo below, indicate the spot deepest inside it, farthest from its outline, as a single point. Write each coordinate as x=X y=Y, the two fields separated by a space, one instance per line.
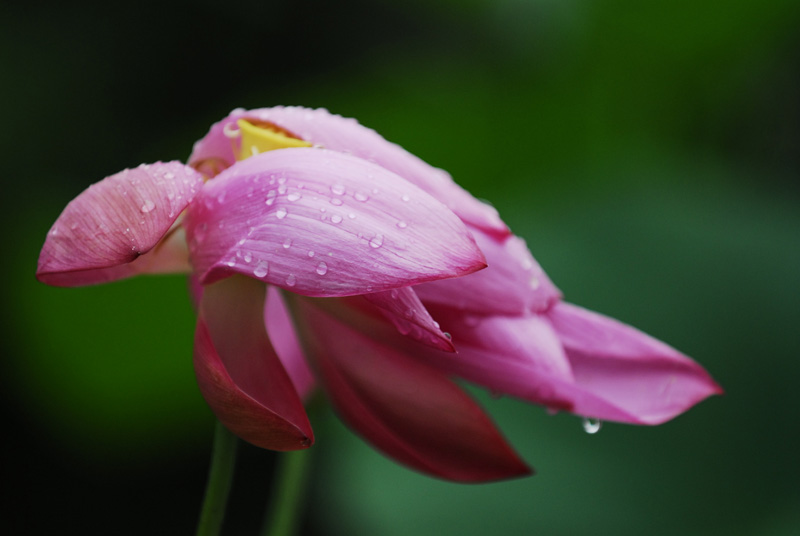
x=517 y=355
x=346 y=135
x=114 y=228
x=512 y=284
x=405 y=310
x=240 y=375
x=402 y=406
x=647 y=379
x=287 y=346
x=321 y=223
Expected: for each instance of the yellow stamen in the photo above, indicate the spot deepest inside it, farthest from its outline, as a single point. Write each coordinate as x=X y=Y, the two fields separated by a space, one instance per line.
x=260 y=137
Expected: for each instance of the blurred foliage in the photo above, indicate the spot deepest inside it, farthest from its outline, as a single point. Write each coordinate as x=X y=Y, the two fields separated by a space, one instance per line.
x=646 y=150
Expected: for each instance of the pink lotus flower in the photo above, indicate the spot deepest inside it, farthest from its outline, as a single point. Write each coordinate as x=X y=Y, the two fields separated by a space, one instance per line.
x=368 y=244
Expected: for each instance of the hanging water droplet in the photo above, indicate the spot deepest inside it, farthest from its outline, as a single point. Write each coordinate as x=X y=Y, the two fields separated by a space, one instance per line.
x=280 y=213
x=291 y=280
x=261 y=269
x=336 y=218
x=147 y=206
x=591 y=425
x=376 y=242
x=287 y=243
x=322 y=268
x=337 y=189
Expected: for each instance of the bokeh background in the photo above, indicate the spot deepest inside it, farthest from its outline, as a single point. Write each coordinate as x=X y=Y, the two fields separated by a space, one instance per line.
x=648 y=152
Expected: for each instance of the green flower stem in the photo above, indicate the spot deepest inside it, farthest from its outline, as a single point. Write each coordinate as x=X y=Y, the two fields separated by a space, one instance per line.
x=287 y=494
x=220 y=476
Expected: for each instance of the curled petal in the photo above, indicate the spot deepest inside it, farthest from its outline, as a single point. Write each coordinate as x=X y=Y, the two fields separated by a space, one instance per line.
x=346 y=135
x=512 y=284
x=402 y=406
x=240 y=375
x=114 y=229
x=404 y=309
x=321 y=223
x=287 y=346
x=625 y=372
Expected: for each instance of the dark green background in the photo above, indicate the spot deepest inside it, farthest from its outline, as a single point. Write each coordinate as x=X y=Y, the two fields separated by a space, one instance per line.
x=648 y=152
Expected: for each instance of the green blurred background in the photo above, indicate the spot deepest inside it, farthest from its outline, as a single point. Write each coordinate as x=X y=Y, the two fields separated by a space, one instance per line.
x=648 y=152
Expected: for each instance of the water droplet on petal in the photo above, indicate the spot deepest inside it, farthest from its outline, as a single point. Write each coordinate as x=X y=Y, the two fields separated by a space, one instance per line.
x=248 y=257
x=293 y=196
x=591 y=426
x=376 y=242
x=402 y=224
x=147 y=206
x=280 y=213
x=336 y=218
x=360 y=196
x=405 y=198
x=282 y=189
x=311 y=253
x=336 y=201
x=291 y=280
x=337 y=189
x=534 y=283
x=351 y=215
x=322 y=268
x=261 y=269
x=287 y=243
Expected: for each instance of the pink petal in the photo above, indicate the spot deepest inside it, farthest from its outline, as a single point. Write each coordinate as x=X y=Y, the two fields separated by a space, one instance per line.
x=519 y=356
x=513 y=283
x=618 y=366
x=287 y=346
x=402 y=406
x=322 y=223
x=111 y=229
x=239 y=373
x=404 y=309
x=346 y=135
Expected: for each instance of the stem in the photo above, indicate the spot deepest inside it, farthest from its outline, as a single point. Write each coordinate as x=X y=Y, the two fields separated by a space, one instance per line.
x=220 y=476
x=287 y=494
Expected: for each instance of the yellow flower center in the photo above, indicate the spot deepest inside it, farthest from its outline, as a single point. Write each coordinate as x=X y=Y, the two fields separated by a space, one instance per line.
x=260 y=136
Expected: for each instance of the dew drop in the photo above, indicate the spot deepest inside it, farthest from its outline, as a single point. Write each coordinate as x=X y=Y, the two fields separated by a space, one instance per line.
x=351 y=215
x=269 y=201
x=287 y=243
x=261 y=269
x=322 y=268
x=591 y=426
x=147 y=206
x=376 y=242
x=248 y=258
x=361 y=197
x=336 y=218
x=402 y=224
x=394 y=293
x=534 y=283
x=291 y=280
x=406 y=198
x=280 y=213
x=293 y=196
x=337 y=189
x=282 y=189
x=336 y=201
x=169 y=175
x=311 y=253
